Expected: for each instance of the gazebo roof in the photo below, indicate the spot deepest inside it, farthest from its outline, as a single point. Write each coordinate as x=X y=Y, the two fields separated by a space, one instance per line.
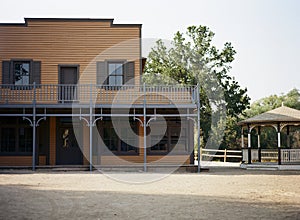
x=281 y=114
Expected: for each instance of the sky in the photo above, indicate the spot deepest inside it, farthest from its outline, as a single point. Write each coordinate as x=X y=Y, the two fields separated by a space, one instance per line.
x=265 y=33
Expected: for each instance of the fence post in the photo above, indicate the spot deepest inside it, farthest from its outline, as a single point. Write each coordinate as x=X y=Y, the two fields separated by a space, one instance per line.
x=225 y=155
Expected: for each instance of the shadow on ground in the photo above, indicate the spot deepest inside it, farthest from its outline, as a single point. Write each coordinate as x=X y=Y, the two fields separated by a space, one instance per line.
x=22 y=202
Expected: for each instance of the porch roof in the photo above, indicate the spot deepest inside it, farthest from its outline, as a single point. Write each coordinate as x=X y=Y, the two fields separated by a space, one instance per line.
x=281 y=114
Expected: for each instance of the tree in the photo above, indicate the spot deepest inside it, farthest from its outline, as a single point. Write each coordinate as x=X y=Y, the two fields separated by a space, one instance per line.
x=193 y=59
x=291 y=99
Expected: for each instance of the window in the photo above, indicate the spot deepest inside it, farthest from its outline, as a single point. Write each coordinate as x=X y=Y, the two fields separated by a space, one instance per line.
x=159 y=144
x=175 y=139
x=15 y=136
x=112 y=140
x=25 y=139
x=115 y=71
x=21 y=71
x=128 y=138
x=8 y=138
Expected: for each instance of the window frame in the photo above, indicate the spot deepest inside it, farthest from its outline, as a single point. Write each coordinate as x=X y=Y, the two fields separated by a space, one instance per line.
x=106 y=124
x=13 y=72
x=16 y=125
x=122 y=62
x=171 y=124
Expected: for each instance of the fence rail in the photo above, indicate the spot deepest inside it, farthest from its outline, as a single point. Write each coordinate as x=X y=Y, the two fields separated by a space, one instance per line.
x=102 y=94
x=212 y=153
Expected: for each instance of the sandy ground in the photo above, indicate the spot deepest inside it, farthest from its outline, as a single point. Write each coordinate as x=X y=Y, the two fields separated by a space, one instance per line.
x=227 y=193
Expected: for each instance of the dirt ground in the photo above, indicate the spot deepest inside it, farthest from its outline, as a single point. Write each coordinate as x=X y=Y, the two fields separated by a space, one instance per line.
x=228 y=193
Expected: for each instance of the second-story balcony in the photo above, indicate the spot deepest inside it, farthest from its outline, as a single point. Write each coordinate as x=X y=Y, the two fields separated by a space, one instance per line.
x=61 y=95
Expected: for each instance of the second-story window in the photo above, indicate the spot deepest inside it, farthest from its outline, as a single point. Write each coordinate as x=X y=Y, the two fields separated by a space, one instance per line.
x=115 y=71
x=21 y=72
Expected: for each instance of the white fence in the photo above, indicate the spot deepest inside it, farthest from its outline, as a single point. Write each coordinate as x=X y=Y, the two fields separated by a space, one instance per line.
x=212 y=153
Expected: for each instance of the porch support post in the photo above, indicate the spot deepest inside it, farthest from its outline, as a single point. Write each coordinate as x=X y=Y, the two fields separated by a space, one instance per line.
x=258 y=144
x=198 y=128
x=249 y=144
x=242 y=138
x=288 y=141
x=34 y=127
x=145 y=131
x=242 y=143
x=91 y=129
x=279 y=141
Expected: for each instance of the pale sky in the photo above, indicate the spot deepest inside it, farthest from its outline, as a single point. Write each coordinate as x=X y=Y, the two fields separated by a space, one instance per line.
x=265 y=33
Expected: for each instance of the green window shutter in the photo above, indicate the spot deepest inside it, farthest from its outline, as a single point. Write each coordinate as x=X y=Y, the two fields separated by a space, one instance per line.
x=102 y=73
x=129 y=73
x=6 y=73
x=35 y=72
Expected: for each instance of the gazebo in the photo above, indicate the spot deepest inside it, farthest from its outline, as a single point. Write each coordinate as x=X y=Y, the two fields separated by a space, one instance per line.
x=278 y=118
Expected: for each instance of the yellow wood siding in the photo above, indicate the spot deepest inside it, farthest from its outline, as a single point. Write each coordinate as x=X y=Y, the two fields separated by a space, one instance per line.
x=68 y=42
x=152 y=159
x=20 y=160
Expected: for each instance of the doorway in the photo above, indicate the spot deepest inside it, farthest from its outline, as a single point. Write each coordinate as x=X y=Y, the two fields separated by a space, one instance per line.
x=68 y=151
x=68 y=78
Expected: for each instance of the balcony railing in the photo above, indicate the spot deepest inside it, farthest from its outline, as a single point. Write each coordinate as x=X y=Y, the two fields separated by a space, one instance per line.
x=98 y=94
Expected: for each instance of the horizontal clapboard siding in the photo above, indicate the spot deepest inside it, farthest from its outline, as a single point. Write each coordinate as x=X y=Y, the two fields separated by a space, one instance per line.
x=138 y=160
x=68 y=42
x=20 y=160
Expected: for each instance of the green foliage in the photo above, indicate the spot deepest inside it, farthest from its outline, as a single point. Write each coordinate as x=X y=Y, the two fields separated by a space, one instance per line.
x=291 y=99
x=232 y=134
x=193 y=59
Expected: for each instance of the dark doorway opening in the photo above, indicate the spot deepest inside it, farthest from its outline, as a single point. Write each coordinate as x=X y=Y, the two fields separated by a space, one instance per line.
x=68 y=78
x=68 y=151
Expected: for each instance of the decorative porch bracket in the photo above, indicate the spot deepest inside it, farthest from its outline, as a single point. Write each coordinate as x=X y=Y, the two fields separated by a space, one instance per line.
x=34 y=124
x=90 y=123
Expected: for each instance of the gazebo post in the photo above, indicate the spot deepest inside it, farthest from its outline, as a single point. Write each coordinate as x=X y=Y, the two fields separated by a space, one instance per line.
x=249 y=144
x=279 y=141
x=258 y=144
x=242 y=138
x=288 y=141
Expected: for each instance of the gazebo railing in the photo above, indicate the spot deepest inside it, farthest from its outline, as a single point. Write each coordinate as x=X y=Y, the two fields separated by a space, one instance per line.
x=290 y=155
x=269 y=154
x=266 y=154
x=287 y=155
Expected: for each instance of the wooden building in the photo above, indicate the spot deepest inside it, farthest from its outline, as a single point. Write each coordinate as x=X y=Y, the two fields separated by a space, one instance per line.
x=62 y=82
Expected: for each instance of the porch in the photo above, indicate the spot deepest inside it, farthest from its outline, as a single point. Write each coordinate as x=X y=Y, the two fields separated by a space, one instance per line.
x=91 y=104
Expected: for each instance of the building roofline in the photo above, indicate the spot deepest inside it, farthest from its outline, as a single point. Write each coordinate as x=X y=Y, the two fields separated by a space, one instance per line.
x=71 y=19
